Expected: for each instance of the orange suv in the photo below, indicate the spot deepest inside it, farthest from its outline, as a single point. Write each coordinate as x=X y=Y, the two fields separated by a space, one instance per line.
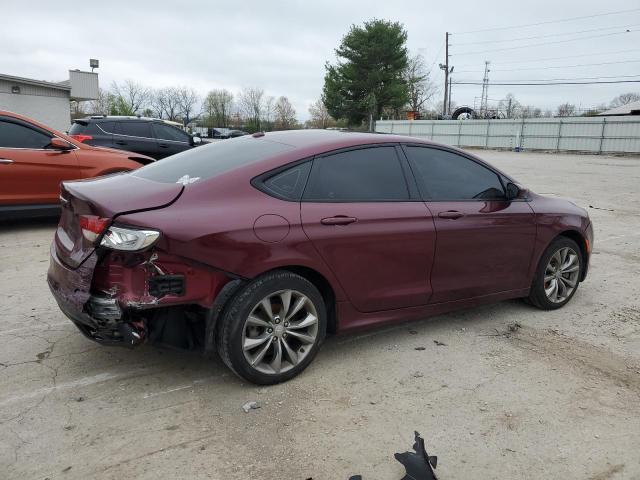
x=34 y=159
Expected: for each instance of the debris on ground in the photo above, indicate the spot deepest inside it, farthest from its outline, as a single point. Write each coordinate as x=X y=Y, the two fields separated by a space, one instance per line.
x=418 y=465
x=413 y=332
x=250 y=406
x=514 y=327
x=420 y=348
x=439 y=343
x=418 y=374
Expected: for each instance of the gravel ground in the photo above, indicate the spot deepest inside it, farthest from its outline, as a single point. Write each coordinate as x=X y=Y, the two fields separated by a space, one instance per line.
x=557 y=397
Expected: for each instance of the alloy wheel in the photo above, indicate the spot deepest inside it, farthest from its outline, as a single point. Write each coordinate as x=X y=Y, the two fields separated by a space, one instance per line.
x=280 y=332
x=561 y=275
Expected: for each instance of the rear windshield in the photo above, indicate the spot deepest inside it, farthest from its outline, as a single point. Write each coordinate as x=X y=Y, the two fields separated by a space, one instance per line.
x=210 y=160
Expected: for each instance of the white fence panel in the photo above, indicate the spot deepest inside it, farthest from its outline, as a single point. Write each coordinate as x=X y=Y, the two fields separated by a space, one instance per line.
x=584 y=134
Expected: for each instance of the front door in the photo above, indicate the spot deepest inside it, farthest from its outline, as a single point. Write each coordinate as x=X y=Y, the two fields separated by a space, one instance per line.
x=30 y=173
x=484 y=242
x=378 y=242
x=135 y=136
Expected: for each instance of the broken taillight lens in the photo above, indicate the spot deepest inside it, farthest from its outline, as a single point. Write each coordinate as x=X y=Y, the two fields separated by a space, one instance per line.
x=92 y=226
x=119 y=238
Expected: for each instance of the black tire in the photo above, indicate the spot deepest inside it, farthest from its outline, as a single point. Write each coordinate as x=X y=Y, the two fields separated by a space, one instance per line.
x=231 y=326
x=537 y=295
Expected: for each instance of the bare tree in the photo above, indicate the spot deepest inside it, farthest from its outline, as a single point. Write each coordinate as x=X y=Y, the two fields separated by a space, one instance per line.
x=625 y=98
x=566 y=110
x=419 y=85
x=285 y=114
x=217 y=107
x=268 y=113
x=320 y=117
x=130 y=97
x=510 y=106
x=251 y=103
x=188 y=100
x=102 y=104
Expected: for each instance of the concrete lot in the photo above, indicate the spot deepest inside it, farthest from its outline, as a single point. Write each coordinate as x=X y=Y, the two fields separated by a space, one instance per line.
x=558 y=398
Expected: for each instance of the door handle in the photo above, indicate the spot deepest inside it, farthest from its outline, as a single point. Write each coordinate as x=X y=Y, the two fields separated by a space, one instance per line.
x=338 y=220
x=451 y=214
x=163 y=145
x=120 y=142
x=5 y=161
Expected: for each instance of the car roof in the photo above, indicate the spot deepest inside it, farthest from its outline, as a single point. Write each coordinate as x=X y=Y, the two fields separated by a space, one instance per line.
x=326 y=140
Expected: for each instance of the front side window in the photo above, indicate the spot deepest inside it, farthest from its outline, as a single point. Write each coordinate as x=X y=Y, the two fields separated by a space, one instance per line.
x=363 y=175
x=14 y=135
x=166 y=132
x=134 y=129
x=444 y=175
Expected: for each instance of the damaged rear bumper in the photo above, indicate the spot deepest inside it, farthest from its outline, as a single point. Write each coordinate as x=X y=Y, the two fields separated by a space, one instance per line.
x=114 y=298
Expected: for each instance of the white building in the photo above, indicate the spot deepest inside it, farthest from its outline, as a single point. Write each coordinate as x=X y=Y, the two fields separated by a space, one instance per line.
x=47 y=102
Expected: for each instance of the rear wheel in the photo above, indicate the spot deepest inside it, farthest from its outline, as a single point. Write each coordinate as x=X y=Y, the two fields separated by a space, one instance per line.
x=558 y=275
x=273 y=328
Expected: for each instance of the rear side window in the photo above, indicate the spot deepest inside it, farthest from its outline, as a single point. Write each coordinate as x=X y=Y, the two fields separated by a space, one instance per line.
x=134 y=129
x=14 y=135
x=166 y=132
x=213 y=159
x=363 y=175
x=85 y=128
x=287 y=184
x=444 y=175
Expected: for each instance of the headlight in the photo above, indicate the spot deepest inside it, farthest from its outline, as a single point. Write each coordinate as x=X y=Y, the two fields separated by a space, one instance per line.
x=119 y=238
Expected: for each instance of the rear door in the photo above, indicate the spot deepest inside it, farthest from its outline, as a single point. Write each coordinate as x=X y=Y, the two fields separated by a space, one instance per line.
x=135 y=136
x=91 y=132
x=29 y=172
x=375 y=236
x=170 y=140
x=484 y=242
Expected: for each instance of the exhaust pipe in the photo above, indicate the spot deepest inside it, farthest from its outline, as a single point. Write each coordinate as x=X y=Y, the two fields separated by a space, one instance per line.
x=132 y=336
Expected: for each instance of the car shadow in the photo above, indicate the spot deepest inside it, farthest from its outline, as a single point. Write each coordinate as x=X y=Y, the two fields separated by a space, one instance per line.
x=31 y=224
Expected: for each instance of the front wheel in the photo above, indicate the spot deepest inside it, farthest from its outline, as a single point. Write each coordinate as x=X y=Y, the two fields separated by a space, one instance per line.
x=558 y=274
x=273 y=328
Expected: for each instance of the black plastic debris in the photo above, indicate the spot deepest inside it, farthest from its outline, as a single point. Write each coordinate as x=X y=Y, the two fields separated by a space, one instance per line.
x=418 y=465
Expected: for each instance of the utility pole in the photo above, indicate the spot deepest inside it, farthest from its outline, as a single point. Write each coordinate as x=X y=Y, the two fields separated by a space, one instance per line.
x=445 y=67
x=485 y=90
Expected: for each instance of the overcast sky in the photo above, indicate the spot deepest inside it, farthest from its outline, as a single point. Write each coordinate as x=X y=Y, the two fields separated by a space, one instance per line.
x=282 y=46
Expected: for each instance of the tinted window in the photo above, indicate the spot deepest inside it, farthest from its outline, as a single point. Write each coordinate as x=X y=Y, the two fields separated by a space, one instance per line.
x=84 y=128
x=165 y=132
x=368 y=174
x=289 y=183
x=134 y=129
x=13 y=135
x=212 y=159
x=444 y=175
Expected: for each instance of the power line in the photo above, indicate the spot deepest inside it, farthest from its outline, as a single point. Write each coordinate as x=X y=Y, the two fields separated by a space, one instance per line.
x=561 y=20
x=550 y=83
x=554 y=66
x=547 y=43
x=545 y=36
x=558 y=79
x=559 y=58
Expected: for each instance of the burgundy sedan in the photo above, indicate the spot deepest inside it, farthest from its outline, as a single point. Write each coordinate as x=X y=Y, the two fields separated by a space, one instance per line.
x=257 y=247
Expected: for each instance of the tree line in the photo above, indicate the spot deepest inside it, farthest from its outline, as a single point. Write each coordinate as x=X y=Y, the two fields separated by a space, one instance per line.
x=250 y=108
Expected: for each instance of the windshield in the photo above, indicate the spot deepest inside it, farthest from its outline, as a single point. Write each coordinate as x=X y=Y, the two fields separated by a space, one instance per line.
x=211 y=160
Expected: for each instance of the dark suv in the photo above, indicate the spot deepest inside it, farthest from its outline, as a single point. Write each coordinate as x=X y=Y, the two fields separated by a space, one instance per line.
x=148 y=136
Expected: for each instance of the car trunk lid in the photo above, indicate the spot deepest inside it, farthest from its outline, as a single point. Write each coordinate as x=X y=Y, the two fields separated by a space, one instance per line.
x=106 y=198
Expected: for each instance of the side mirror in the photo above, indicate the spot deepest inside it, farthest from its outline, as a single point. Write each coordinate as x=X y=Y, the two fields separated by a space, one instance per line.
x=515 y=191
x=59 y=144
x=196 y=140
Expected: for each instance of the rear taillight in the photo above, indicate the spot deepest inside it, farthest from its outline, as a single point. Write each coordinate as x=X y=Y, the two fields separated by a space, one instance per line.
x=92 y=226
x=119 y=238
x=81 y=138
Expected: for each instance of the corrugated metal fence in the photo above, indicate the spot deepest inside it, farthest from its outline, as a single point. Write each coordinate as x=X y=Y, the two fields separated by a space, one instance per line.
x=582 y=134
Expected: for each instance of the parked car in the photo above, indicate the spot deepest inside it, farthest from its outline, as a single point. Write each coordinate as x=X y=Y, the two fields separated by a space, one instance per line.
x=148 y=136
x=34 y=159
x=260 y=245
